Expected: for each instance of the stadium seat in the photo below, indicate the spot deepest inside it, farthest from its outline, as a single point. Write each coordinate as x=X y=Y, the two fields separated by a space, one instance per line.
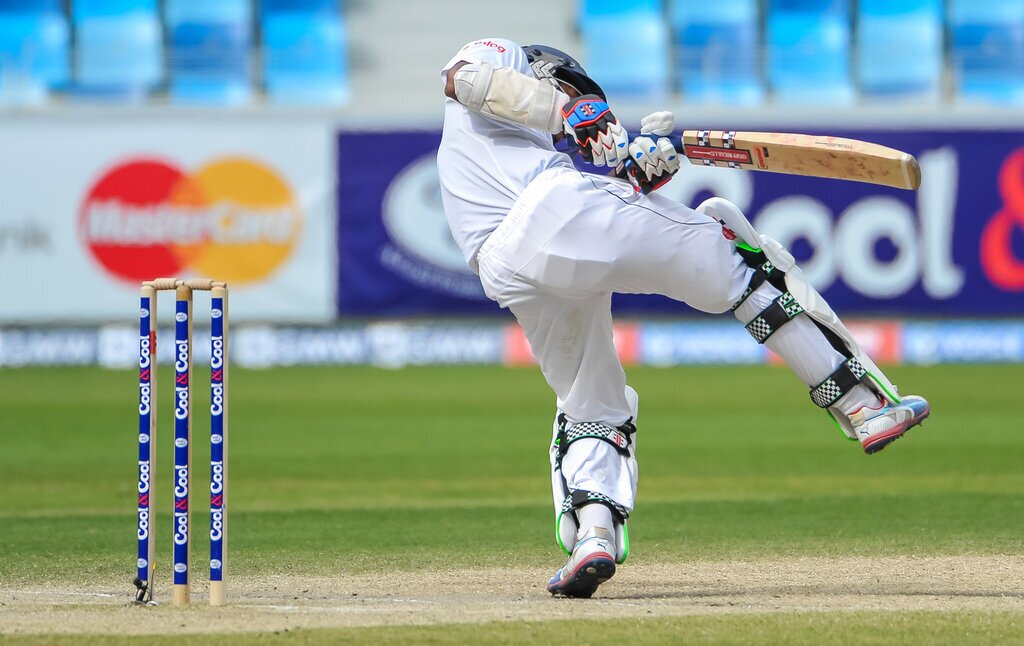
x=34 y=50
x=617 y=8
x=119 y=48
x=717 y=53
x=210 y=50
x=809 y=51
x=304 y=6
x=30 y=6
x=988 y=50
x=626 y=50
x=304 y=58
x=899 y=48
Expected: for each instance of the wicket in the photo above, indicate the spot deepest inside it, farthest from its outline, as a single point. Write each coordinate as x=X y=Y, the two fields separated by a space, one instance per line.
x=182 y=436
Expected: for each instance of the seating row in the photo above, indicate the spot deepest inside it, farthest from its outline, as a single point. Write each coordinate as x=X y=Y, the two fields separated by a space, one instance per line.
x=807 y=51
x=207 y=56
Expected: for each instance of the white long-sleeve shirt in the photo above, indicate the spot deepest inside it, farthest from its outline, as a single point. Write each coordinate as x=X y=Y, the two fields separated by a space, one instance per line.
x=484 y=164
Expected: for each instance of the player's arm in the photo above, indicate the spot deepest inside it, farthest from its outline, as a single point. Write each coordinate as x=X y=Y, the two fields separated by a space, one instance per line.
x=507 y=95
x=543 y=103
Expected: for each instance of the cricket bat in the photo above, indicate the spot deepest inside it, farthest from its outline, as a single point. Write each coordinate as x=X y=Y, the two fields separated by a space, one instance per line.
x=813 y=155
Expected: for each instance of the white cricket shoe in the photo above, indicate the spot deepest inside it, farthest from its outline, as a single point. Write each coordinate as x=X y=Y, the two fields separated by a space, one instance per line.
x=876 y=428
x=591 y=563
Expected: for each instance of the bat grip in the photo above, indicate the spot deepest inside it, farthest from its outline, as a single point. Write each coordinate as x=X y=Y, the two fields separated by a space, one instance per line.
x=677 y=142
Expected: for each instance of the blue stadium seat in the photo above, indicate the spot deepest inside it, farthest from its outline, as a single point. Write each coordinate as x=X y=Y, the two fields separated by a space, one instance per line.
x=627 y=51
x=806 y=6
x=93 y=8
x=988 y=50
x=216 y=11
x=30 y=6
x=303 y=6
x=34 y=50
x=305 y=59
x=120 y=48
x=809 y=51
x=618 y=8
x=899 y=48
x=210 y=49
x=717 y=53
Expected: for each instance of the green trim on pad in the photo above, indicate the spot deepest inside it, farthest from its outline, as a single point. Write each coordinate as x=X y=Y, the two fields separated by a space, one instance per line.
x=838 y=427
x=558 y=534
x=625 y=548
x=893 y=396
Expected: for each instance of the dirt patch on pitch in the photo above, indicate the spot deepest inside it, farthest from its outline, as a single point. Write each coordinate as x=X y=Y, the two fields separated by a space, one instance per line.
x=277 y=603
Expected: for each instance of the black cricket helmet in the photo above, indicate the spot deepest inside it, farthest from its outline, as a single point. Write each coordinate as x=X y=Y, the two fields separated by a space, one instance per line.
x=566 y=68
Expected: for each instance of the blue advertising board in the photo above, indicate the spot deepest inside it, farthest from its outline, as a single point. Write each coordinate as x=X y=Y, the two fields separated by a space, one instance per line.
x=396 y=255
x=953 y=248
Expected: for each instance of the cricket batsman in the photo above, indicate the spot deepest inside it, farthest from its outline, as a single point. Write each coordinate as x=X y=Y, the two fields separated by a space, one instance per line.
x=552 y=244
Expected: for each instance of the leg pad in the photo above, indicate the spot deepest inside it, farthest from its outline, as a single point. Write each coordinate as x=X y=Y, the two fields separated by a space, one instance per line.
x=846 y=377
x=782 y=310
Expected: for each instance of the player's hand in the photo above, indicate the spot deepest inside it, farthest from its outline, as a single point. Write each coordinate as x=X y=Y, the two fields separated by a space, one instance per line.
x=600 y=137
x=661 y=124
x=651 y=163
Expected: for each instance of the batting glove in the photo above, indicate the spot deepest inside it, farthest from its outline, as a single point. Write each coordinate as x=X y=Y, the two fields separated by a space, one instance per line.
x=651 y=163
x=600 y=137
x=658 y=123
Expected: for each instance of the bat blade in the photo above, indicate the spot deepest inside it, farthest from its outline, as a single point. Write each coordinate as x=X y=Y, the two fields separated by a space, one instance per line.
x=795 y=154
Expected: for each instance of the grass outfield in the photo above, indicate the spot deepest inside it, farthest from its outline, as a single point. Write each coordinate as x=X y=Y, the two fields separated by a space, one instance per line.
x=813 y=629
x=349 y=471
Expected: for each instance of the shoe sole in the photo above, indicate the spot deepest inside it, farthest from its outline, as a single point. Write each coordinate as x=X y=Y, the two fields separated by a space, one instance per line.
x=582 y=582
x=881 y=441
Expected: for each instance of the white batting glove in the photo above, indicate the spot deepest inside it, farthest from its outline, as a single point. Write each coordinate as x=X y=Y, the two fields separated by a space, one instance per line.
x=658 y=123
x=601 y=138
x=652 y=163
x=611 y=151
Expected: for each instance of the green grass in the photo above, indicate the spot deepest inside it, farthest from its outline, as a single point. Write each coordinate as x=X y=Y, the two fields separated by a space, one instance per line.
x=420 y=467
x=789 y=629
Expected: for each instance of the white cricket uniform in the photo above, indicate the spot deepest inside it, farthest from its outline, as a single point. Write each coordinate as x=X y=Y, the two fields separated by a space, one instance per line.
x=552 y=244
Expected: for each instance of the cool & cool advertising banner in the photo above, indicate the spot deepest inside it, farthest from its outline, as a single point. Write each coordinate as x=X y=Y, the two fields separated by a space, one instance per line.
x=954 y=248
x=89 y=208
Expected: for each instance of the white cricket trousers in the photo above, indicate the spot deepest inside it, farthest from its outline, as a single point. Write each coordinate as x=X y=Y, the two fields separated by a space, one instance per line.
x=571 y=240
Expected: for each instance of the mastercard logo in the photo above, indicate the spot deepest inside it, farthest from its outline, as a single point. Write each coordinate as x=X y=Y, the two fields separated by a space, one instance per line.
x=233 y=219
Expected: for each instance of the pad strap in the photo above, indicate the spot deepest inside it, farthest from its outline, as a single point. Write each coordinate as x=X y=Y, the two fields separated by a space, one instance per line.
x=846 y=377
x=617 y=437
x=761 y=274
x=581 y=497
x=764 y=270
x=782 y=310
x=620 y=438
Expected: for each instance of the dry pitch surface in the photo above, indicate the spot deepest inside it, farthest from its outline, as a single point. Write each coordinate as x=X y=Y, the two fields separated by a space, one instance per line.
x=279 y=603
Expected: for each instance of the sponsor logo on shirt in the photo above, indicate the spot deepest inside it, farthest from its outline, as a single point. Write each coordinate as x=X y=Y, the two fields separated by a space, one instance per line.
x=488 y=43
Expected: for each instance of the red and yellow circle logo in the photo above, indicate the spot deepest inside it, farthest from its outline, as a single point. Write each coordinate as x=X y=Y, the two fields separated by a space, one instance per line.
x=234 y=219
